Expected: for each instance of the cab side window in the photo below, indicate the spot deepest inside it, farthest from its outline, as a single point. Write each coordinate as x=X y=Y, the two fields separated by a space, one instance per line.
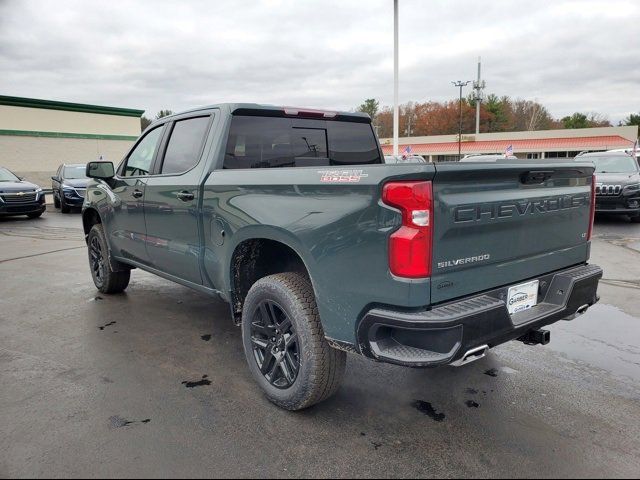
x=185 y=145
x=140 y=160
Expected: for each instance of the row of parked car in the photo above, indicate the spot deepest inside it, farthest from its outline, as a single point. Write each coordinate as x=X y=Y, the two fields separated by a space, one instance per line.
x=20 y=197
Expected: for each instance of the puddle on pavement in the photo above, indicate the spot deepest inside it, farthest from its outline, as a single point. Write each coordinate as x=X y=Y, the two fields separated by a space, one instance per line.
x=119 y=422
x=604 y=337
x=428 y=410
x=199 y=383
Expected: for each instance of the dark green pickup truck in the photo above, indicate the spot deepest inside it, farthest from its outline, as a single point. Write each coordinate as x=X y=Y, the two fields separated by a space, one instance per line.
x=320 y=248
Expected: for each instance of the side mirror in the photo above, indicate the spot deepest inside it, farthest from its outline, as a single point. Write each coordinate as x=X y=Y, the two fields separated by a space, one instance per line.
x=102 y=170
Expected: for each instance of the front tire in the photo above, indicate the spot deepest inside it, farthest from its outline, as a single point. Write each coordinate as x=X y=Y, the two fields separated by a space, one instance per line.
x=34 y=215
x=105 y=279
x=64 y=208
x=56 y=201
x=635 y=219
x=284 y=343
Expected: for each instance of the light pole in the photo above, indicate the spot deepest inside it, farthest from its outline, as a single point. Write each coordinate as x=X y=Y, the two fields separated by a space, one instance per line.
x=396 y=110
x=460 y=84
x=478 y=95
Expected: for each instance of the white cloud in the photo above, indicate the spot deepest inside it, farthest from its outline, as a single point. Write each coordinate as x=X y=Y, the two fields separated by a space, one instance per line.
x=570 y=55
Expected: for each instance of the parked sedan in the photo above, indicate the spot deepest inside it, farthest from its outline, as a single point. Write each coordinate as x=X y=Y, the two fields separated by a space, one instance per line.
x=69 y=185
x=18 y=197
x=404 y=159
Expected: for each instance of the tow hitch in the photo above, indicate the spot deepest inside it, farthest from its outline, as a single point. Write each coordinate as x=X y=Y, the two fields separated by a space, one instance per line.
x=536 y=337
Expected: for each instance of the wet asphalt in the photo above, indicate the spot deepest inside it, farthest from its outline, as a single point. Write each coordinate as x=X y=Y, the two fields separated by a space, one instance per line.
x=153 y=383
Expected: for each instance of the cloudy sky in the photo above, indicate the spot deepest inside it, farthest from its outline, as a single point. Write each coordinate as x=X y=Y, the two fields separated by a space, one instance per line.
x=571 y=55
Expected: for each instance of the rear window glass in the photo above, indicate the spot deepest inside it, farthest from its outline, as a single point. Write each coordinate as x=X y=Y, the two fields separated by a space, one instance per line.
x=268 y=142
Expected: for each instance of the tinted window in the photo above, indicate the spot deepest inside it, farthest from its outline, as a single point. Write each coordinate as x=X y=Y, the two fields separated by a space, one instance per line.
x=139 y=162
x=352 y=144
x=185 y=144
x=259 y=142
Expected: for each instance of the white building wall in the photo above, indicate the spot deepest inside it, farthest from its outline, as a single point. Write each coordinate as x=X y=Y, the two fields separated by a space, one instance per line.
x=47 y=120
x=37 y=158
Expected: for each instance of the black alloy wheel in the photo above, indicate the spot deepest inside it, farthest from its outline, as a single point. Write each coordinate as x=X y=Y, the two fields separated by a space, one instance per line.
x=97 y=261
x=275 y=344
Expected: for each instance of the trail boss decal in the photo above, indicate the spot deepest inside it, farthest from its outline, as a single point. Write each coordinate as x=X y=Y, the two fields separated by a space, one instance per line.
x=342 y=176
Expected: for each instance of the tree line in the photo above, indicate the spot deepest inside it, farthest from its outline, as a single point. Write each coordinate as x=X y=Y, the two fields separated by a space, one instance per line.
x=146 y=121
x=497 y=114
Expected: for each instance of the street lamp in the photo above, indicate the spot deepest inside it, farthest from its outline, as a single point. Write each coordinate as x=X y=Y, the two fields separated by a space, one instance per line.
x=460 y=84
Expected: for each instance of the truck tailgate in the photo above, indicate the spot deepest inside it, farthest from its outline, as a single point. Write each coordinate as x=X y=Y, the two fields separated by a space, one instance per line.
x=500 y=224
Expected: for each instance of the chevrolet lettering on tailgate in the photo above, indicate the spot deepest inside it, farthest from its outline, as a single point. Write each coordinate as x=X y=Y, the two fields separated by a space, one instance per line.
x=493 y=211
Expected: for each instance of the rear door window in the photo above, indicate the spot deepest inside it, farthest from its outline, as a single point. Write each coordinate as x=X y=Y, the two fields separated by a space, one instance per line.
x=270 y=142
x=185 y=145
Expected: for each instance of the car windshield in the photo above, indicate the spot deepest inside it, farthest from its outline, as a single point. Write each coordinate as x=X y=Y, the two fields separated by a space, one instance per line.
x=75 y=171
x=613 y=164
x=7 y=176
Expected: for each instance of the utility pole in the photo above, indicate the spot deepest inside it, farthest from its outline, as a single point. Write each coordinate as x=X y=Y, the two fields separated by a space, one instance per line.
x=396 y=109
x=460 y=84
x=478 y=95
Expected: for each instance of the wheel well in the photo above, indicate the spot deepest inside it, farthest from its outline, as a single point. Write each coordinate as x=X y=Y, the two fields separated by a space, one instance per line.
x=89 y=218
x=257 y=258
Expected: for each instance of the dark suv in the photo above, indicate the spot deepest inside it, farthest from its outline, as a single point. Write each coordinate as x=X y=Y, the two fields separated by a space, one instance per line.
x=18 y=197
x=69 y=185
x=617 y=183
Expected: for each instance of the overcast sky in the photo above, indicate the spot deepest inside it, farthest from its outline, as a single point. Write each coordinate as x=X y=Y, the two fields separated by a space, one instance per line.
x=571 y=56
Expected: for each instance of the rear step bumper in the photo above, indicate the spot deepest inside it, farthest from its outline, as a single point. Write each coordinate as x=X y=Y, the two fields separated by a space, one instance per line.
x=462 y=331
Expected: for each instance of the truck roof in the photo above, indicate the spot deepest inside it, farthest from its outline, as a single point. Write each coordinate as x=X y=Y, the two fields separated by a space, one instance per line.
x=279 y=110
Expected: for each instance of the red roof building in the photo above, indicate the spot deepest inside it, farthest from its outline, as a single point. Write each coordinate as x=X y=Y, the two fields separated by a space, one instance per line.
x=535 y=144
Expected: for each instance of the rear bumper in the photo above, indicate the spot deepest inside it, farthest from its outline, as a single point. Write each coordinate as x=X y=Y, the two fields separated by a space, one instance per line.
x=443 y=334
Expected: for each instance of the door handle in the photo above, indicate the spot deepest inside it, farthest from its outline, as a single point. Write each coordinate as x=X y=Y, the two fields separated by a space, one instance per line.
x=137 y=194
x=185 y=196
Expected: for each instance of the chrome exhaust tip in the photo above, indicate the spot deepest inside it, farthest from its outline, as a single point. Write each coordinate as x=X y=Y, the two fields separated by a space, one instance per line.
x=472 y=355
x=580 y=311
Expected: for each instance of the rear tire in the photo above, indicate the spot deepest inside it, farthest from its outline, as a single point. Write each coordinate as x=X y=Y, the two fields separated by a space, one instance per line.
x=105 y=279
x=284 y=343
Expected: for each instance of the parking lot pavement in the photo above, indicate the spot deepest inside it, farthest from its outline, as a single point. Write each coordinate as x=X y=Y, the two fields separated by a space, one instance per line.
x=153 y=383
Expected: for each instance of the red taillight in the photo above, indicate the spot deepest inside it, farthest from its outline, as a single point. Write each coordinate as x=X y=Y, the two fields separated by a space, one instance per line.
x=593 y=207
x=410 y=246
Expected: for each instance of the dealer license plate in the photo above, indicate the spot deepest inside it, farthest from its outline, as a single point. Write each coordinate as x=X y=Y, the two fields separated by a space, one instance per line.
x=523 y=297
